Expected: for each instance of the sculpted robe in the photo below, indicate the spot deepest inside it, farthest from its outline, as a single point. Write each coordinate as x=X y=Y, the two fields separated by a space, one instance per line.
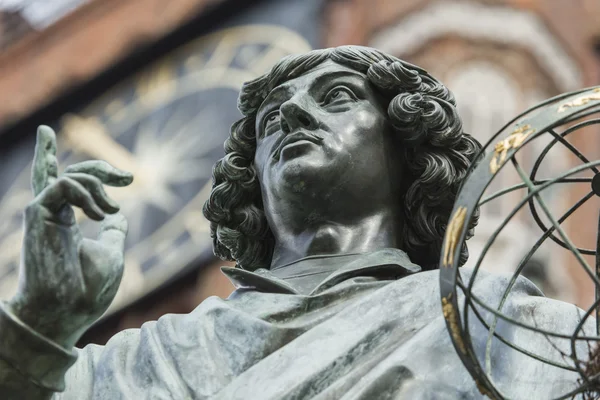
x=372 y=328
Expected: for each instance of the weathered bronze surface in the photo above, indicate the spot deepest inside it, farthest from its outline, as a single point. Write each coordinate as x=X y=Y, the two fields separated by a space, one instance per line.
x=333 y=198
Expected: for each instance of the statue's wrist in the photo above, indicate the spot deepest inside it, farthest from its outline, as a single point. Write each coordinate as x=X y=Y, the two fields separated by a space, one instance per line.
x=43 y=361
x=50 y=328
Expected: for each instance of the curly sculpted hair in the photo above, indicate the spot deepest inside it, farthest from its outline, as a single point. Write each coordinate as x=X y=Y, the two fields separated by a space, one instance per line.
x=422 y=111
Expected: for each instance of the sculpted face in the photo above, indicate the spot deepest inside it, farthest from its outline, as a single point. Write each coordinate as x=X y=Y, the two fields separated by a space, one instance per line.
x=325 y=136
x=337 y=162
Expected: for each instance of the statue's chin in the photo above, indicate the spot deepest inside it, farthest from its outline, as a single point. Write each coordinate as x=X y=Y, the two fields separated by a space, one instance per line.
x=302 y=173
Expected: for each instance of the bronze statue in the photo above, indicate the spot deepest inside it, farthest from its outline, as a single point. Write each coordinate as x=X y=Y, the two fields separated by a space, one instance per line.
x=333 y=198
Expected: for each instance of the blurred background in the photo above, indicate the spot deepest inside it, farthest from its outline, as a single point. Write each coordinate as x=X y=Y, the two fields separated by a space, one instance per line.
x=151 y=87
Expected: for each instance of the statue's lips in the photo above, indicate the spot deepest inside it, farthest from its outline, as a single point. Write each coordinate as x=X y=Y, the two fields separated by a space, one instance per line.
x=296 y=138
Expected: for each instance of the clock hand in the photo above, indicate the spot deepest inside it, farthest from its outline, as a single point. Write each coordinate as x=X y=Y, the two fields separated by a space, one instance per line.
x=89 y=136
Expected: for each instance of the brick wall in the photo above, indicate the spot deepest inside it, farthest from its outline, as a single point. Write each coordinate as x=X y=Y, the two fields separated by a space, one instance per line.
x=45 y=64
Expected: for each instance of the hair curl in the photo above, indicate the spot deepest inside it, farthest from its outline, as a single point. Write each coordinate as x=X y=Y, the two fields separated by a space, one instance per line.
x=422 y=111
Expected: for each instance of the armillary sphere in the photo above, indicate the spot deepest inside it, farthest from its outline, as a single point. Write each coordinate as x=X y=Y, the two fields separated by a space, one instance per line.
x=550 y=125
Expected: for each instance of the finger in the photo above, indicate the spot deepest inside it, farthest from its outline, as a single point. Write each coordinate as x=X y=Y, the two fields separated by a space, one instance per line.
x=113 y=232
x=45 y=166
x=68 y=191
x=102 y=170
x=94 y=186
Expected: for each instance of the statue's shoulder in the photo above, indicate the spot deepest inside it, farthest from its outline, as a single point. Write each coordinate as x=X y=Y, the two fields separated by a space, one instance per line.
x=494 y=284
x=525 y=300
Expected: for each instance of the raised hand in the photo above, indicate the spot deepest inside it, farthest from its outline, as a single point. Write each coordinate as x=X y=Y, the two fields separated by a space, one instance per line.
x=66 y=281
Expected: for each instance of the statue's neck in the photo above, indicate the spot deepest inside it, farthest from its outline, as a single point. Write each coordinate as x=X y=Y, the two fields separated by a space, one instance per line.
x=368 y=234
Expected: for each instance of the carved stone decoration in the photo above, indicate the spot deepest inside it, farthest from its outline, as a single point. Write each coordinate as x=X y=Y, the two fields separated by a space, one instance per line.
x=493 y=24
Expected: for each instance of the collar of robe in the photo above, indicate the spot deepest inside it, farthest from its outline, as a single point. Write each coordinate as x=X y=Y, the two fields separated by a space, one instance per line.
x=382 y=264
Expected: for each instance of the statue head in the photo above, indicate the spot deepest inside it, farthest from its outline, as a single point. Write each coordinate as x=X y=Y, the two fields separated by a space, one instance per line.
x=334 y=133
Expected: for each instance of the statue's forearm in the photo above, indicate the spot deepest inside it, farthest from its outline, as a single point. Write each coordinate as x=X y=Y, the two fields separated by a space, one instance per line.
x=31 y=366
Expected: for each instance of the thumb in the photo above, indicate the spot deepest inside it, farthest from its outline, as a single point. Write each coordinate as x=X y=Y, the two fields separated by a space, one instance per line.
x=102 y=259
x=113 y=232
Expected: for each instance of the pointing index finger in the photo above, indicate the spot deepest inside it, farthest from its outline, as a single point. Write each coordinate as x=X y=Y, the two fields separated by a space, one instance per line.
x=45 y=167
x=102 y=170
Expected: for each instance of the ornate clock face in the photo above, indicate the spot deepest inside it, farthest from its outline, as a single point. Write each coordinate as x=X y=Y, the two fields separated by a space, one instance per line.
x=167 y=126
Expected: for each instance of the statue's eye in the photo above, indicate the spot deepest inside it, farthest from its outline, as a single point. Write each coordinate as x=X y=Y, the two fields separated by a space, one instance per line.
x=271 y=123
x=339 y=94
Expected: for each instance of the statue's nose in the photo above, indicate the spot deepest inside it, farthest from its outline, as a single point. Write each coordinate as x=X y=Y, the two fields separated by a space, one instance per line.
x=296 y=115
